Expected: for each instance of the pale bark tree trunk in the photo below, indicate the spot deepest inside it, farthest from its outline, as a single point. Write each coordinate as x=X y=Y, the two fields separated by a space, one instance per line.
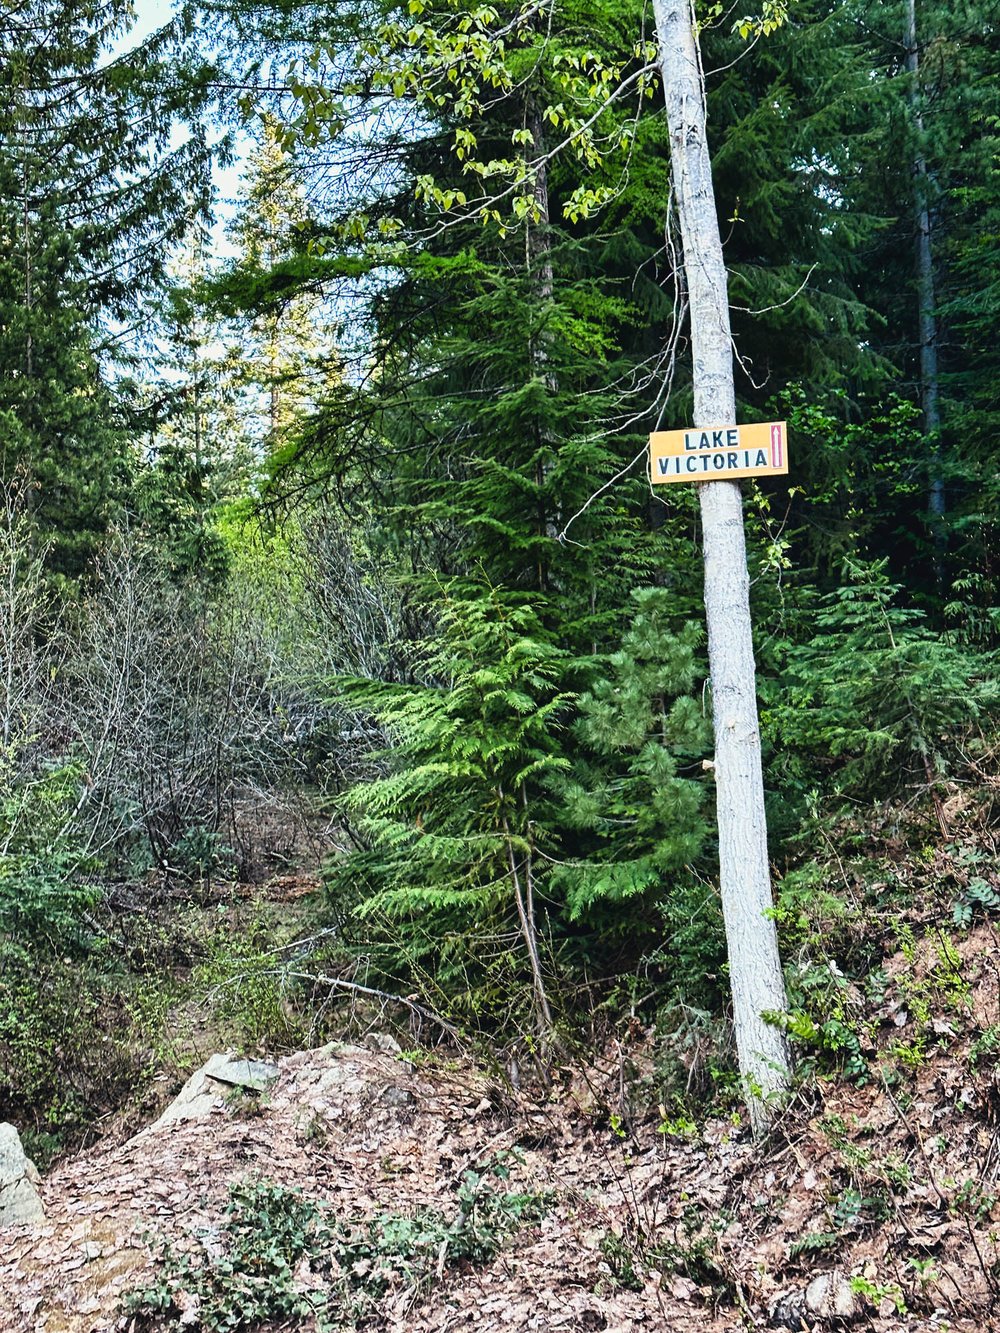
x=745 y=881
x=929 y=383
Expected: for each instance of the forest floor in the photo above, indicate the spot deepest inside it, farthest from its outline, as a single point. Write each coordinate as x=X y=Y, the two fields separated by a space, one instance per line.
x=692 y=1229
x=451 y=1200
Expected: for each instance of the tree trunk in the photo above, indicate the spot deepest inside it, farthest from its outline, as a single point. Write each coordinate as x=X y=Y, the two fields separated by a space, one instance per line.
x=538 y=264
x=929 y=397
x=745 y=881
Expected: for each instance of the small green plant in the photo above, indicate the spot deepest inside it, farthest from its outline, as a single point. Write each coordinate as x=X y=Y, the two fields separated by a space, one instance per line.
x=912 y=1054
x=878 y=689
x=878 y=1293
x=813 y=1242
x=854 y=1210
x=972 y=1200
x=249 y=1103
x=680 y=1127
x=986 y=1045
x=46 y=893
x=925 y=1270
x=201 y=854
x=268 y=1230
x=977 y=896
x=283 y=1260
x=489 y=1216
x=693 y=1251
x=822 y=1015
x=620 y=1257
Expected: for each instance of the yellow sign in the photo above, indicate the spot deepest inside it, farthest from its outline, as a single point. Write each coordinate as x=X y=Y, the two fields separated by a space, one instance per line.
x=718 y=453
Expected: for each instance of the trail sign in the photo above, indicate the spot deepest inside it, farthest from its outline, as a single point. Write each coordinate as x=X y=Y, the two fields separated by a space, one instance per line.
x=719 y=453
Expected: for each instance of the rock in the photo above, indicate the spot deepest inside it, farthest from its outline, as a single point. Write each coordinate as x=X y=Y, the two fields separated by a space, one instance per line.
x=254 y=1075
x=384 y=1042
x=215 y=1080
x=19 y=1199
x=827 y=1300
x=392 y=1095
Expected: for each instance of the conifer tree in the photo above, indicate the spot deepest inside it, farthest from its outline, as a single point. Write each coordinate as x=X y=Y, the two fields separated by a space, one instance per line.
x=925 y=171
x=92 y=192
x=198 y=456
x=285 y=347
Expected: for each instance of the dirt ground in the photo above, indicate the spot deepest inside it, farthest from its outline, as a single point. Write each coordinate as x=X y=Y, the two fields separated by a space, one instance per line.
x=645 y=1229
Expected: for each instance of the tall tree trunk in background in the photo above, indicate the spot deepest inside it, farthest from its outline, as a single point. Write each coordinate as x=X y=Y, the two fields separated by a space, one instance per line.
x=745 y=880
x=929 y=398
x=538 y=262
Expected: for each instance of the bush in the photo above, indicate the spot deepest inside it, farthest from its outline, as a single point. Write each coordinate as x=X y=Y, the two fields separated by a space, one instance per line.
x=283 y=1260
x=876 y=692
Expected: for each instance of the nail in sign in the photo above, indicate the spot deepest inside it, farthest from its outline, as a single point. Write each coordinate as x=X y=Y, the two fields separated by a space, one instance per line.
x=718 y=453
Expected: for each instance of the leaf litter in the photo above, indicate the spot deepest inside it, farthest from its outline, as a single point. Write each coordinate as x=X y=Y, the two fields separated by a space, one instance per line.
x=886 y=1191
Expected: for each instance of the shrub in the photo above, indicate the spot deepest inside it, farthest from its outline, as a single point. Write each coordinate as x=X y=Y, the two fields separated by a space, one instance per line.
x=282 y=1260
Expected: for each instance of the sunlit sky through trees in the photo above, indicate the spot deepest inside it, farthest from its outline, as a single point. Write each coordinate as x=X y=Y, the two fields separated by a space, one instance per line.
x=151 y=14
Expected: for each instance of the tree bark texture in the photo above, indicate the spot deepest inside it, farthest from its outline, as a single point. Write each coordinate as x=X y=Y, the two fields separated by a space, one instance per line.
x=745 y=881
x=929 y=382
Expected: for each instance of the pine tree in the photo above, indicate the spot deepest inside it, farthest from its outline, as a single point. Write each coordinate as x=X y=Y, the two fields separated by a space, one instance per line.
x=285 y=350
x=923 y=170
x=91 y=196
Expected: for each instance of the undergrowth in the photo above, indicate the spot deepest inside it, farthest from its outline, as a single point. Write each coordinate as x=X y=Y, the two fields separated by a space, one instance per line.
x=281 y=1256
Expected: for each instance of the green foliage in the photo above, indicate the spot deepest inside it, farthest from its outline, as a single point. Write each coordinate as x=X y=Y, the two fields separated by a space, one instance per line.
x=687 y=945
x=202 y=854
x=855 y=475
x=620 y=1258
x=693 y=1250
x=455 y=64
x=814 y=1242
x=824 y=1016
x=80 y=1036
x=271 y=1233
x=178 y=510
x=977 y=894
x=876 y=689
x=850 y=1212
x=91 y=198
x=487 y=1218
x=244 y=974
x=539 y=812
x=515 y=803
x=268 y=1230
x=635 y=822
x=452 y=829
x=45 y=892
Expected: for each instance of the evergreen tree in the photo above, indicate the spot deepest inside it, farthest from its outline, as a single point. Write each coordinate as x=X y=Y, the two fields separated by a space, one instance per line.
x=928 y=169
x=286 y=346
x=59 y=432
x=91 y=195
x=197 y=457
x=788 y=122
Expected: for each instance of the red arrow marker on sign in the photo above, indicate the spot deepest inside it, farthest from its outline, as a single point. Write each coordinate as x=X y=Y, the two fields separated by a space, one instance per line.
x=776 y=445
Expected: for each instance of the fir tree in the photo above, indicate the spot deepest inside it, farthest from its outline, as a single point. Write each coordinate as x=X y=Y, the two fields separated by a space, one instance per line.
x=199 y=457
x=286 y=345
x=91 y=195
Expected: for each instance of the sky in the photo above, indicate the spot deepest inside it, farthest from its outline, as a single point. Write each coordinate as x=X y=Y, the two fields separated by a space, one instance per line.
x=150 y=15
